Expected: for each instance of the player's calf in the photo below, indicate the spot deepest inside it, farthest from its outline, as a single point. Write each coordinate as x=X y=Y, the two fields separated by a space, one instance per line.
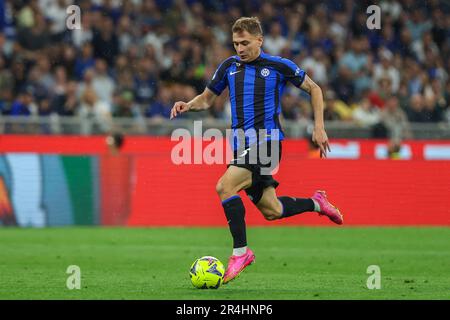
x=292 y=206
x=271 y=214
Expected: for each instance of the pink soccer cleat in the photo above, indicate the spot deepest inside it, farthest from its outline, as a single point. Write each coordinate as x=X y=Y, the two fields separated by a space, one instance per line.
x=326 y=208
x=237 y=264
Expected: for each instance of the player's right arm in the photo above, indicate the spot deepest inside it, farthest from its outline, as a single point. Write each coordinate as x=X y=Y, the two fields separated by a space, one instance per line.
x=319 y=135
x=300 y=79
x=201 y=102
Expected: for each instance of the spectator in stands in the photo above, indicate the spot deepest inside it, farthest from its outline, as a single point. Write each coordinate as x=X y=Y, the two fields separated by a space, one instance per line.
x=102 y=83
x=85 y=34
x=60 y=80
x=385 y=68
x=24 y=105
x=33 y=83
x=403 y=96
x=126 y=34
x=366 y=114
x=442 y=97
x=384 y=90
x=55 y=12
x=290 y=109
x=417 y=77
x=145 y=82
x=66 y=103
x=125 y=107
x=389 y=39
x=44 y=108
x=221 y=109
x=336 y=109
x=296 y=29
x=87 y=82
x=6 y=101
x=105 y=42
x=161 y=107
x=316 y=66
x=6 y=76
x=418 y=24
x=395 y=120
x=432 y=112
x=416 y=112
x=18 y=69
x=36 y=36
x=47 y=75
x=145 y=45
x=67 y=59
x=342 y=84
x=5 y=48
x=94 y=112
x=84 y=61
x=275 y=42
x=356 y=62
x=421 y=46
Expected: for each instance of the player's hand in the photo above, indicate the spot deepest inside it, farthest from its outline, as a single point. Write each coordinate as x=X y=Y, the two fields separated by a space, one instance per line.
x=320 y=138
x=178 y=107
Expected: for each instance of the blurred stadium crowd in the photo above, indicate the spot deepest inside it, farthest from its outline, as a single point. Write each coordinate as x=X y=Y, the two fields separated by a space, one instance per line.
x=134 y=58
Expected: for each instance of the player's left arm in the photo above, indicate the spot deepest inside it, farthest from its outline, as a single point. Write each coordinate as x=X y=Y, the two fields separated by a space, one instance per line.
x=319 y=136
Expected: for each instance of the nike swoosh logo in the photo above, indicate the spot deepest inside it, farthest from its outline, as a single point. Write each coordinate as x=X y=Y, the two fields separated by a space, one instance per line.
x=239 y=270
x=231 y=73
x=242 y=154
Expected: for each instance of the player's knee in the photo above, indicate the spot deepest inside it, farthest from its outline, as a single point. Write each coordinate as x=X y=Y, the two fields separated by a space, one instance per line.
x=223 y=190
x=220 y=187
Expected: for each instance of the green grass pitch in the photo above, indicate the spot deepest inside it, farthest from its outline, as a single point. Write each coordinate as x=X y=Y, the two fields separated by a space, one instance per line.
x=291 y=263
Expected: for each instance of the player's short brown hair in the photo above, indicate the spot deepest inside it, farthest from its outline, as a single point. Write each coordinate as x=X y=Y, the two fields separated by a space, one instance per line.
x=249 y=24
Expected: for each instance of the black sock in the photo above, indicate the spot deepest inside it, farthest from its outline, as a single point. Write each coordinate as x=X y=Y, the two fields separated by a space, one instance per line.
x=235 y=213
x=293 y=206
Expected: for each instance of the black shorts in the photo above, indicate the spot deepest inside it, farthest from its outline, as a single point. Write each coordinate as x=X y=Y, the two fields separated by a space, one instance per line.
x=260 y=166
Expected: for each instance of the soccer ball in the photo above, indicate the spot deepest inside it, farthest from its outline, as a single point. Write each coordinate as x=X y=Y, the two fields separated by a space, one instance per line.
x=207 y=273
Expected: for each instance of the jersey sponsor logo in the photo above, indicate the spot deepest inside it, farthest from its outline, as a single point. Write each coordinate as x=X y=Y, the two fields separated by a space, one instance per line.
x=265 y=72
x=231 y=72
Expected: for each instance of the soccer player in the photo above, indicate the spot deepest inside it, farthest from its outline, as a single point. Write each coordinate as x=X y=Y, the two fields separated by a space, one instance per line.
x=256 y=81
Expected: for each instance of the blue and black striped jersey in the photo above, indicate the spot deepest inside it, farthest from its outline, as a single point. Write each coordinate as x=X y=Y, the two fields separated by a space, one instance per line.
x=255 y=89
